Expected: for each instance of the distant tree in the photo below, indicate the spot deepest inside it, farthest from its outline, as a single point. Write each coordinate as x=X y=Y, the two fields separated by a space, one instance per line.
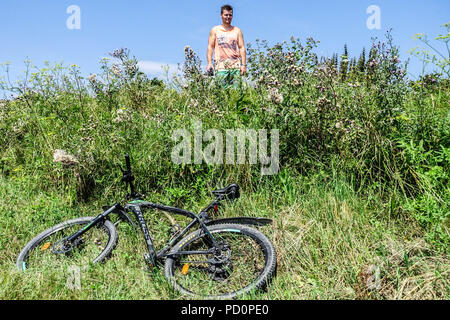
x=335 y=61
x=352 y=68
x=361 y=66
x=343 y=67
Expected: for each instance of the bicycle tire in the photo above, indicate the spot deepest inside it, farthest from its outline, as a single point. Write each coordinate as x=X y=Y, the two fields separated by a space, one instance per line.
x=108 y=226
x=173 y=263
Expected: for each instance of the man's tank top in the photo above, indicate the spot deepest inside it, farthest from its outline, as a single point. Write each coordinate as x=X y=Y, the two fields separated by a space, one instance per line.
x=226 y=49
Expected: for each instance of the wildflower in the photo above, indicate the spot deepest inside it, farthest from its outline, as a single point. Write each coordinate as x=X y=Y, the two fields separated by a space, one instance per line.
x=320 y=87
x=215 y=109
x=17 y=128
x=92 y=77
x=299 y=68
x=118 y=53
x=116 y=69
x=159 y=118
x=322 y=102
x=123 y=114
x=275 y=96
x=64 y=158
x=195 y=103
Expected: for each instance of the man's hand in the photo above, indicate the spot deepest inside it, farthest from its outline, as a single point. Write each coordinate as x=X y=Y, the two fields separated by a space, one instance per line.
x=210 y=69
x=243 y=70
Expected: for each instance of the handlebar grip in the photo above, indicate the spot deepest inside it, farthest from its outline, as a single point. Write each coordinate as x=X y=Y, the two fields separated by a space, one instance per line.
x=127 y=160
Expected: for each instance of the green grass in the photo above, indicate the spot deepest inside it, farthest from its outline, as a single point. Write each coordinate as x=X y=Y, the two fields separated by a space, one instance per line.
x=326 y=238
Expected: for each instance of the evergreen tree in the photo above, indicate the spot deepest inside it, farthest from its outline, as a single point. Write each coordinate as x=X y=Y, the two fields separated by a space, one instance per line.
x=343 y=67
x=361 y=66
x=352 y=68
x=335 y=61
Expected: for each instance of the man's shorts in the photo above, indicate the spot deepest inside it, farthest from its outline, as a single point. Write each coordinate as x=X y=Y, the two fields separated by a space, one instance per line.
x=229 y=78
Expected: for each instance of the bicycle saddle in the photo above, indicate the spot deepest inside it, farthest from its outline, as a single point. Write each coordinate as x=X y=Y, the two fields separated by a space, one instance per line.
x=231 y=192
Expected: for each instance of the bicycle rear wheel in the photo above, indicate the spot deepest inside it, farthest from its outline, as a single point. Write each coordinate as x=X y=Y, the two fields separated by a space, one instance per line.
x=49 y=250
x=246 y=262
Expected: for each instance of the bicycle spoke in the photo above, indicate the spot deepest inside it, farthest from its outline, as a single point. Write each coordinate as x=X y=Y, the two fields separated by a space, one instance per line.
x=90 y=245
x=240 y=270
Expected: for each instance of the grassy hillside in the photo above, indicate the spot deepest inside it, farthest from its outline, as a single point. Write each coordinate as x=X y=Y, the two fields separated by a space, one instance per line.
x=360 y=201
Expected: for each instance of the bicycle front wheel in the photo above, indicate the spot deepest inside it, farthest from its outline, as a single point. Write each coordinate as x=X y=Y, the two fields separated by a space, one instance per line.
x=245 y=262
x=50 y=250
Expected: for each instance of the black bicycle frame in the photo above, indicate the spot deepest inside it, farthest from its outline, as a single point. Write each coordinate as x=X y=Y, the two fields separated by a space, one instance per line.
x=136 y=207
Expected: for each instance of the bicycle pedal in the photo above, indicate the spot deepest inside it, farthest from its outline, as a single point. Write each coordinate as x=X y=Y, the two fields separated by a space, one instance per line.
x=148 y=261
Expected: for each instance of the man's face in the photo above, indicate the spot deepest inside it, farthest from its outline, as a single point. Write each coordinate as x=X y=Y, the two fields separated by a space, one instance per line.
x=227 y=16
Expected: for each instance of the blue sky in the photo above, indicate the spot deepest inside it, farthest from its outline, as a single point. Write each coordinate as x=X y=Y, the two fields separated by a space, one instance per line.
x=156 y=32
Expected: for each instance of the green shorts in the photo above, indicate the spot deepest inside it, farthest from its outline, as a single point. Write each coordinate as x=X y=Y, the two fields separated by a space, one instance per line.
x=229 y=78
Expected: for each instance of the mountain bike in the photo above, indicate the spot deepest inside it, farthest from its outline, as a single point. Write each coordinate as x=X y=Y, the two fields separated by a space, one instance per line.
x=219 y=258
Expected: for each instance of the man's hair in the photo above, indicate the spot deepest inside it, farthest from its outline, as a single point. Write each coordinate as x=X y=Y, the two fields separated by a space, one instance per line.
x=226 y=7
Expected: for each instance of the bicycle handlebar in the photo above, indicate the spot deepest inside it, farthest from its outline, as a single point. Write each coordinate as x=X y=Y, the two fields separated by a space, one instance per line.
x=128 y=178
x=127 y=160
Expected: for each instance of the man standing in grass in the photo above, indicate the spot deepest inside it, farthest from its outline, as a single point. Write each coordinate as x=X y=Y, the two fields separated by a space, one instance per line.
x=227 y=43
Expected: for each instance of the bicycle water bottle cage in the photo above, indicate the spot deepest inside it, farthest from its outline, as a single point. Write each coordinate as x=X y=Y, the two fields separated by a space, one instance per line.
x=231 y=192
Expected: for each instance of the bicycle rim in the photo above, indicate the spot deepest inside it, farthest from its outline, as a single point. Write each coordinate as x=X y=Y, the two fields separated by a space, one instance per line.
x=247 y=267
x=47 y=251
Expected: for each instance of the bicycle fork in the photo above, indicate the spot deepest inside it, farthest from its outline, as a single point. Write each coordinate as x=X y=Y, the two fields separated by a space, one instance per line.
x=96 y=220
x=149 y=257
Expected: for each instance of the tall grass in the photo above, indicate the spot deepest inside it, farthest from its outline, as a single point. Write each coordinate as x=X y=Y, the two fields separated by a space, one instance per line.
x=363 y=179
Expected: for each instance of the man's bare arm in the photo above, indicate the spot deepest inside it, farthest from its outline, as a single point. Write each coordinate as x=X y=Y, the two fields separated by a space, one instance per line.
x=211 y=42
x=242 y=52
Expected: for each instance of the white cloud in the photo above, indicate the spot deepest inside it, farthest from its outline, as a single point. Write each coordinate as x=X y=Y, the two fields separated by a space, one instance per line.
x=156 y=68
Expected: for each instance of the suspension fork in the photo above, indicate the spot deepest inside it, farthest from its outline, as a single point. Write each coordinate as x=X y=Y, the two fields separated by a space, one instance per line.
x=96 y=220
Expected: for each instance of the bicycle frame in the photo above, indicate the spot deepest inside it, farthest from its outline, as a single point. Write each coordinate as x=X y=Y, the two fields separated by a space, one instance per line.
x=136 y=206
